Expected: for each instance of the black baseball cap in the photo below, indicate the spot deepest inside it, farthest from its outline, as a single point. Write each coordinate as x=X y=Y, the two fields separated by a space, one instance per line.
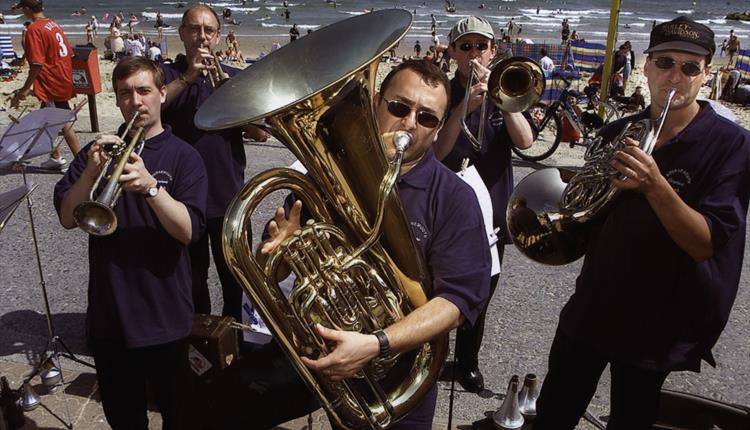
x=682 y=34
x=28 y=3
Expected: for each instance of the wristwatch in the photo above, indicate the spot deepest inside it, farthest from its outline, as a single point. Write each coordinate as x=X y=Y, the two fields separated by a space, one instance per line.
x=385 y=346
x=153 y=191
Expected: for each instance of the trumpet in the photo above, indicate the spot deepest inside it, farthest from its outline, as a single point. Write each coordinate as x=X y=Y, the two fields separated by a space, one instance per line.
x=515 y=84
x=96 y=216
x=216 y=75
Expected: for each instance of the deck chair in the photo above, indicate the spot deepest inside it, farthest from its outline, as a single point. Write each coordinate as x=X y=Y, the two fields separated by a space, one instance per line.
x=6 y=46
x=743 y=63
x=587 y=56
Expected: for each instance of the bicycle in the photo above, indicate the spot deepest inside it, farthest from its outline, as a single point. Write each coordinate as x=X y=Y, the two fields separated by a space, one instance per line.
x=548 y=119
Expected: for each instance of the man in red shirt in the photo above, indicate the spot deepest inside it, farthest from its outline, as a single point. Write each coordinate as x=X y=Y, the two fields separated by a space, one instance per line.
x=50 y=70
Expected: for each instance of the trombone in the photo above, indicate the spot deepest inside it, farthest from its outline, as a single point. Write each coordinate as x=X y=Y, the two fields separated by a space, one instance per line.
x=515 y=84
x=96 y=216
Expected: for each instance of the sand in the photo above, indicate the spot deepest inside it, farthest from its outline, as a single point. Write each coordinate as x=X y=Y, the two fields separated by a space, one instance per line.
x=109 y=115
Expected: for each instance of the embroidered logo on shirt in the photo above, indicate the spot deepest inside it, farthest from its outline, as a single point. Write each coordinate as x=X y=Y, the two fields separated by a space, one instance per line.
x=420 y=232
x=678 y=178
x=496 y=119
x=162 y=177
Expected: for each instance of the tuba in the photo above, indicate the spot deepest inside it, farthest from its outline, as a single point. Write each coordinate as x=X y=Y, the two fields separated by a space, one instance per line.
x=515 y=84
x=354 y=261
x=549 y=209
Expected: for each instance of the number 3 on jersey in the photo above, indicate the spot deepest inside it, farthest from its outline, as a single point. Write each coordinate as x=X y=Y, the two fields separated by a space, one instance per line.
x=60 y=41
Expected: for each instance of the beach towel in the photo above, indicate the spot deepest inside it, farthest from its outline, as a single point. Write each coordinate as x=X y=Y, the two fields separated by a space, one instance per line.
x=743 y=63
x=587 y=56
x=6 y=46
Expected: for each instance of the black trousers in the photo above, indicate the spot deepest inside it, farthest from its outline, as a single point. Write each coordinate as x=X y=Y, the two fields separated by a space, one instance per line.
x=469 y=340
x=200 y=260
x=122 y=374
x=574 y=372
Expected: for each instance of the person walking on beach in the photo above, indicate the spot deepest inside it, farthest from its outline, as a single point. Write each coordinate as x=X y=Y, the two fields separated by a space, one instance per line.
x=472 y=46
x=662 y=266
x=293 y=33
x=223 y=152
x=50 y=71
x=565 y=31
x=140 y=312
x=733 y=46
x=548 y=66
x=417 y=49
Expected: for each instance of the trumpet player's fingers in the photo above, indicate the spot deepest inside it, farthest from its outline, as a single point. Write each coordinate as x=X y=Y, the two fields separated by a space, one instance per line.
x=135 y=177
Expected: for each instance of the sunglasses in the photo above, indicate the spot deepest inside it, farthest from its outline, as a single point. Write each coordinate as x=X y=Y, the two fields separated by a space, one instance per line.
x=688 y=68
x=467 y=46
x=400 y=109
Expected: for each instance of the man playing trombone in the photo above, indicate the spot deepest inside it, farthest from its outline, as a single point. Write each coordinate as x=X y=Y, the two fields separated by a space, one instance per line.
x=190 y=80
x=472 y=45
x=140 y=309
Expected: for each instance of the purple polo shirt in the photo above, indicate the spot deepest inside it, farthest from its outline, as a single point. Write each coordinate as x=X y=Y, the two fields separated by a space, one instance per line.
x=640 y=298
x=140 y=277
x=222 y=151
x=492 y=161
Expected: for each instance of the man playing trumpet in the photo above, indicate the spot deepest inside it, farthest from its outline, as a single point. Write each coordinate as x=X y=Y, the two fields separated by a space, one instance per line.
x=190 y=80
x=140 y=308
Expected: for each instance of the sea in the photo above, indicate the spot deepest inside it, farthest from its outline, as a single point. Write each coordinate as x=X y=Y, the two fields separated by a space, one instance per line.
x=539 y=20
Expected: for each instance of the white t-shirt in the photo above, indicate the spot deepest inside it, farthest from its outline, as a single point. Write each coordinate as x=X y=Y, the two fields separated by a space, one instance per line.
x=548 y=66
x=153 y=52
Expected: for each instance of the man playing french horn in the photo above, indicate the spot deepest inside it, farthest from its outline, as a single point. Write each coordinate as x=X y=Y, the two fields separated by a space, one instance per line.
x=191 y=79
x=140 y=308
x=447 y=223
x=662 y=266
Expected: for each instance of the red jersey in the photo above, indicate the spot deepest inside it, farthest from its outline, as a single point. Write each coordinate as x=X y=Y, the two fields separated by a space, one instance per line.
x=46 y=45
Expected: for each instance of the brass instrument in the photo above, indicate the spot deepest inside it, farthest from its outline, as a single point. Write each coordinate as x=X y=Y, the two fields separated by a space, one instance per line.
x=355 y=262
x=549 y=209
x=515 y=84
x=216 y=75
x=96 y=216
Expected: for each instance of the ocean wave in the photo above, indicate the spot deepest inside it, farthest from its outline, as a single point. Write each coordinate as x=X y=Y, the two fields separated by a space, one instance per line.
x=244 y=9
x=271 y=8
x=534 y=19
x=7 y=17
x=566 y=13
x=152 y=15
x=685 y=11
x=712 y=21
x=351 y=12
x=302 y=26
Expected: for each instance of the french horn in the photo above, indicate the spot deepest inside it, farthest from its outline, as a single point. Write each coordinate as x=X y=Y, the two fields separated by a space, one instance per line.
x=549 y=210
x=355 y=262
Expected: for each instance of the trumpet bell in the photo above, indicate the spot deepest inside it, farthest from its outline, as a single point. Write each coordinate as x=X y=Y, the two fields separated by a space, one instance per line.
x=535 y=225
x=95 y=218
x=516 y=83
x=508 y=416
x=528 y=396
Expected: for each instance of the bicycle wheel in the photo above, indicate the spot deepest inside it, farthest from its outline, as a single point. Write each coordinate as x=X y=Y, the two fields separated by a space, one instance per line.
x=550 y=129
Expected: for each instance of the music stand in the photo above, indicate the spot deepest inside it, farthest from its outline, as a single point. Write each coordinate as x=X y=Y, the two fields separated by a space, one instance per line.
x=32 y=135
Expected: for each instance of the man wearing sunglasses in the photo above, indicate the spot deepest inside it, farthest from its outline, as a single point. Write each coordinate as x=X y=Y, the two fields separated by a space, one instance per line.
x=662 y=267
x=447 y=223
x=472 y=45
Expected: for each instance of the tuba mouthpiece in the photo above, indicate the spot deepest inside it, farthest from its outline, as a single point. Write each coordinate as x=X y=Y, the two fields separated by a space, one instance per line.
x=402 y=140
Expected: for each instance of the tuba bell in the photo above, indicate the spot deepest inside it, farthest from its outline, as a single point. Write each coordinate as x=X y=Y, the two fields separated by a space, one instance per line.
x=515 y=84
x=354 y=261
x=549 y=210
